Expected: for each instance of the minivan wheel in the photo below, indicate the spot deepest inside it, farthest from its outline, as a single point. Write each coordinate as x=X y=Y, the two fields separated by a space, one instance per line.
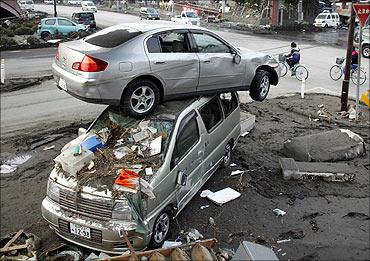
x=227 y=157
x=161 y=228
x=366 y=50
x=260 y=85
x=141 y=98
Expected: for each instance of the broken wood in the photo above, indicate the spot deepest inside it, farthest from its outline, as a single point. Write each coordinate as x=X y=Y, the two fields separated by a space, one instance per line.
x=208 y=243
x=11 y=241
x=11 y=248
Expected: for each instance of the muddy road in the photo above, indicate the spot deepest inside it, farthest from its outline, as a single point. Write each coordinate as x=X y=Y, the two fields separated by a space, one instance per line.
x=324 y=220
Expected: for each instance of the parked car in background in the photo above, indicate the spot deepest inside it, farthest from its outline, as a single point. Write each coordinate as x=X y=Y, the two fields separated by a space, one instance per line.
x=187 y=17
x=198 y=136
x=58 y=25
x=148 y=13
x=27 y=5
x=88 y=6
x=74 y=2
x=365 y=41
x=138 y=66
x=86 y=18
x=327 y=19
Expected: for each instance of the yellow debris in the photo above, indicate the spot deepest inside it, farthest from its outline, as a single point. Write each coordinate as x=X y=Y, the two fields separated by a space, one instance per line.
x=365 y=98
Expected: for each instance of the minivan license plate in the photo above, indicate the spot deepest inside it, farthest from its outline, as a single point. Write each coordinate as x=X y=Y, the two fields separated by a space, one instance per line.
x=62 y=84
x=80 y=230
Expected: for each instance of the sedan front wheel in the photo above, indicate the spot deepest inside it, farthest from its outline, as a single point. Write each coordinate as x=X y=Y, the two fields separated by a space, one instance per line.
x=260 y=85
x=141 y=98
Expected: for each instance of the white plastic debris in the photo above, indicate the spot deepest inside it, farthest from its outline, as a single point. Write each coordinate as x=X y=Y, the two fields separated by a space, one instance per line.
x=244 y=133
x=120 y=152
x=6 y=169
x=278 y=212
x=49 y=147
x=232 y=165
x=11 y=165
x=236 y=172
x=283 y=241
x=352 y=113
x=171 y=244
x=155 y=146
x=194 y=234
x=142 y=135
x=204 y=206
x=149 y=171
x=205 y=193
x=212 y=221
x=223 y=196
x=152 y=130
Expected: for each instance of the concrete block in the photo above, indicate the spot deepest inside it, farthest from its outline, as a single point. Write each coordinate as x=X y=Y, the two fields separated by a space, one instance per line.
x=247 y=121
x=293 y=170
x=334 y=145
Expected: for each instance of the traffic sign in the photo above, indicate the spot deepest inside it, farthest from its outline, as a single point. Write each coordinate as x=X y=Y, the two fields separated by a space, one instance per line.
x=362 y=12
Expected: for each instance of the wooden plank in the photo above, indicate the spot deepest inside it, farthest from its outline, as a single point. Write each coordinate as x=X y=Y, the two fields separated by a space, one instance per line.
x=11 y=241
x=208 y=243
x=8 y=249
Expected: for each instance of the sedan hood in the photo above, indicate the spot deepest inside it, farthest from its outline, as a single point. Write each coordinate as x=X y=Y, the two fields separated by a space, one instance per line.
x=257 y=58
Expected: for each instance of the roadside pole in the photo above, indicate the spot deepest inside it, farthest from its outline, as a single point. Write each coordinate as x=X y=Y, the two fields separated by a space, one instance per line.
x=358 y=76
x=2 y=73
x=347 y=68
x=55 y=8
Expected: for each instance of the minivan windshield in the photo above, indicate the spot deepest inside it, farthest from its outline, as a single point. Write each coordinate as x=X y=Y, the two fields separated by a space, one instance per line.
x=321 y=16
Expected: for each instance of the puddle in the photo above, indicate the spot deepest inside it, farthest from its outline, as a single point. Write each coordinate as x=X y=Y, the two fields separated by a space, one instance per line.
x=11 y=165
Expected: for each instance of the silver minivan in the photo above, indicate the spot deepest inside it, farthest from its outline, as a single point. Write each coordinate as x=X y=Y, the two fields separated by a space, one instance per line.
x=91 y=210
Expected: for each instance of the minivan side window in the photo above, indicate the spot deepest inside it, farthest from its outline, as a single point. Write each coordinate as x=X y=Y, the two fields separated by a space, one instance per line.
x=187 y=137
x=64 y=22
x=211 y=114
x=229 y=102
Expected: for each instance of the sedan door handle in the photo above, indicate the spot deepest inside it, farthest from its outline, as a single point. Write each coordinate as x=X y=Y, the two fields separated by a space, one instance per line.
x=159 y=62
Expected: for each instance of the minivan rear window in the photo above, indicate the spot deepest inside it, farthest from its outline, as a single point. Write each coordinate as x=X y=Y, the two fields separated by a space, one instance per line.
x=111 y=38
x=86 y=15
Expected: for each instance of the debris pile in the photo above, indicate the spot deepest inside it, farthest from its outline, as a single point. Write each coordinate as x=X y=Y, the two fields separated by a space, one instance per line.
x=19 y=246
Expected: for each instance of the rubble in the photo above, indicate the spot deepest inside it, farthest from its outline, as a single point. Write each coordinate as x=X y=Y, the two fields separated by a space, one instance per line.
x=19 y=246
x=252 y=251
x=223 y=196
x=278 y=212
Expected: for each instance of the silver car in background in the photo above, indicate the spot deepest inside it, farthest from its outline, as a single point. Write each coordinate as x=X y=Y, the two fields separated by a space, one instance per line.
x=138 y=66
x=201 y=135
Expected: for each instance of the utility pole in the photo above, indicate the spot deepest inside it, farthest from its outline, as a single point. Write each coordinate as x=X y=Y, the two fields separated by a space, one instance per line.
x=300 y=12
x=55 y=8
x=347 y=70
x=333 y=5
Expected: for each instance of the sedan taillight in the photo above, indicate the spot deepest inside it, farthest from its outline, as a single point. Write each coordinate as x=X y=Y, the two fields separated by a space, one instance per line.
x=90 y=64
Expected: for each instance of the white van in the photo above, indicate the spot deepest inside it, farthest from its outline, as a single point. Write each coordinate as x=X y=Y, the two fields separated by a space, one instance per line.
x=327 y=20
x=26 y=5
x=88 y=6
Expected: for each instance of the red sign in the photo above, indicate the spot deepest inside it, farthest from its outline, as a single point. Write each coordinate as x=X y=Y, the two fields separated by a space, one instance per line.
x=362 y=12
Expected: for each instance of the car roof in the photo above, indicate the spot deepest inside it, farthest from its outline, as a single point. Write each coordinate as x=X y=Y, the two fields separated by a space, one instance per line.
x=148 y=27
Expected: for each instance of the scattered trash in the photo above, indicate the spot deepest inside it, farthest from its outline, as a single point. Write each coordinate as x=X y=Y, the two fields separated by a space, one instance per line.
x=121 y=152
x=148 y=171
x=316 y=119
x=167 y=244
x=204 y=206
x=352 y=113
x=236 y=172
x=64 y=252
x=283 y=254
x=19 y=246
x=91 y=165
x=252 y=251
x=11 y=165
x=283 y=241
x=223 y=196
x=140 y=136
x=199 y=252
x=92 y=143
x=49 y=148
x=130 y=181
x=233 y=165
x=212 y=221
x=179 y=255
x=279 y=212
x=205 y=193
x=244 y=133
x=76 y=150
x=71 y=163
x=155 y=146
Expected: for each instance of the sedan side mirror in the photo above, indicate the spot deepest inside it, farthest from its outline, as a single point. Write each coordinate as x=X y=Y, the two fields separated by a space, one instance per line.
x=237 y=58
x=181 y=178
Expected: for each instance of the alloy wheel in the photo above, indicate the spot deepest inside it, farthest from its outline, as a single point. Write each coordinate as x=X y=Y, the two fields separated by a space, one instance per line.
x=142 y=99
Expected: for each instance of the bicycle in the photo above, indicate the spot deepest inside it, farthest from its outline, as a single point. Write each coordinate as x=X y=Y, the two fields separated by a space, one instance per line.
x=337 y=71
x=301 y=72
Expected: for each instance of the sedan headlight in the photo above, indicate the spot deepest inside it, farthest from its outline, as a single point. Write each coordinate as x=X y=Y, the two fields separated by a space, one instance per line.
x=122 y=211
x=53 y=191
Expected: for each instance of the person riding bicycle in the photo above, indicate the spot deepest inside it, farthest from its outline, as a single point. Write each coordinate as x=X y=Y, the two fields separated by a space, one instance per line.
x=294 y=56
x=354 y=59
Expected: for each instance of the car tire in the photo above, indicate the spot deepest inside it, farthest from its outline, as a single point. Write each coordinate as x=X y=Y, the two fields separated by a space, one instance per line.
x=161 y=229
x=326 y=26
x=366 y=50
x=141 y=98
x=45 y=36
x=260 y=85
x=227 y=156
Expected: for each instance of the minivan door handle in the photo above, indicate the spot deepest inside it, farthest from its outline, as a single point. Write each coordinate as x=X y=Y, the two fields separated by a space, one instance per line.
x=206 y=143
x=159 y=62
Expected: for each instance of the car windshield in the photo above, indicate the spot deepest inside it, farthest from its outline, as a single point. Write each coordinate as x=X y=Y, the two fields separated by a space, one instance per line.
x=191 y=14
x=321 y=16
x=152 y=11
x=86 y=16
x=112 y=36
x=90 y=4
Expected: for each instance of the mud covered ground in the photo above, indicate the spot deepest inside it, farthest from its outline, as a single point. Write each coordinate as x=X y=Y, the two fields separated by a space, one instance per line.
x=324 y=220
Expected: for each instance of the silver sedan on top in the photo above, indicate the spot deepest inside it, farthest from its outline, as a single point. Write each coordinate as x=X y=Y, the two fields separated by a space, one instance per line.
x=138 y=66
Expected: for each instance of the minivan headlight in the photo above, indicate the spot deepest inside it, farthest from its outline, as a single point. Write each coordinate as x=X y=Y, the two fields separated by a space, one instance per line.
x=53 y=191
x=122 y=211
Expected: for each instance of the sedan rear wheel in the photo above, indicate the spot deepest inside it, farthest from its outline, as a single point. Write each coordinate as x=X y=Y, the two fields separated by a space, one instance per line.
x=260 y=85
x=141 y=98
